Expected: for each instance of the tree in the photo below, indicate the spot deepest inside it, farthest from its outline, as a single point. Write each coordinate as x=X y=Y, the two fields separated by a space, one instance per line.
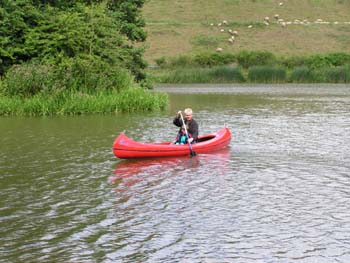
x=49 y=30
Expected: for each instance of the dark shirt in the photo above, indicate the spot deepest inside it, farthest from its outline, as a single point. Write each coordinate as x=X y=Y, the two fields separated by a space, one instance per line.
x=192 y=127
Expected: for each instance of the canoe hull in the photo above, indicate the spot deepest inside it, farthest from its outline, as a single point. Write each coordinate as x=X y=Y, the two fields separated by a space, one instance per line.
x=126 y=148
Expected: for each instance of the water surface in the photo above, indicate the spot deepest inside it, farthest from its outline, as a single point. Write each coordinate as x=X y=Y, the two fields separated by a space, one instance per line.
x=279 y=193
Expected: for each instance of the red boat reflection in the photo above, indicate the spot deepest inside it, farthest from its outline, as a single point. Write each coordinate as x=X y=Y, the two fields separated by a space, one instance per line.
x=129 y=172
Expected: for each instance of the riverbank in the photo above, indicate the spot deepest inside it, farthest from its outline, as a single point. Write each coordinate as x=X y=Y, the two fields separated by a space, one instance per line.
x=77 y=103
x=252 y=67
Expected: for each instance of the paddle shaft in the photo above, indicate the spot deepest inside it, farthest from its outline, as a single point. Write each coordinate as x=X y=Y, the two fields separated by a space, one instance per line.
x=183 y=123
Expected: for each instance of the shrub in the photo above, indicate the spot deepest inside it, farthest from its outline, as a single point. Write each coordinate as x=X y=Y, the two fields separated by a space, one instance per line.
x=317 y=62
x=214 y=59
x=161 y=62
x=248 y=59
x=338 y=59
x=292 y=62
x=27 y=80
x=267 y=74
x=181 y=61
x=87 y=74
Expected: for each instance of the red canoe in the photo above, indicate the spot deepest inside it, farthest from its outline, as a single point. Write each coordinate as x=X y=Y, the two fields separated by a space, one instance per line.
x=126 y=148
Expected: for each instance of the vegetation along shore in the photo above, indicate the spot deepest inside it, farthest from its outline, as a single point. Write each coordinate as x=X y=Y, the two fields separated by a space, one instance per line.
x=77 y=57
x=73 y=57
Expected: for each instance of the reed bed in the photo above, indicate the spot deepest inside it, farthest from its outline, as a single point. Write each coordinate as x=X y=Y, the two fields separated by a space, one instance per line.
x=203 y=75
x=69 y=103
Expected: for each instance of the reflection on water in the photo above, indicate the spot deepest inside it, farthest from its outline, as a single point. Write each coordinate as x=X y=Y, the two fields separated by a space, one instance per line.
x=129 y=172
x=279 y=193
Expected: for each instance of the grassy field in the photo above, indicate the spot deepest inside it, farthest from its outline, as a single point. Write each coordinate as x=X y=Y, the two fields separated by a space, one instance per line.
x=308 y=27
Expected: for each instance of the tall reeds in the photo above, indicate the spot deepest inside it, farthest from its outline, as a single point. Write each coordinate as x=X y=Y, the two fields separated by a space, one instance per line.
x=71 y=103
x=267 y=74
x=203 y=75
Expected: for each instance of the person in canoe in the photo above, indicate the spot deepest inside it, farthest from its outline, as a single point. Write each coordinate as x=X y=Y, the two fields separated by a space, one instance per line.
x=189 y=121
x=181 y=137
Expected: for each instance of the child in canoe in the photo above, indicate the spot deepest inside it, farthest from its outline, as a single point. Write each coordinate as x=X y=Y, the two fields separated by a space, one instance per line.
x=181 y=137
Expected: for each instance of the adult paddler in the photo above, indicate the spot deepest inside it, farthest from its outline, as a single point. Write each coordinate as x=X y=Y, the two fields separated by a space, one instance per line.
x=190 y=122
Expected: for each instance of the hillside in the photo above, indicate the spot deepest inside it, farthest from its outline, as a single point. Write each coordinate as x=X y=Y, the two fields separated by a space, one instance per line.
x=303 y=26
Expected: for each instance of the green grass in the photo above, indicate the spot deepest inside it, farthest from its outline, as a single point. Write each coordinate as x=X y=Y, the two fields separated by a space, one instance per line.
x=267 y=74
x=202 y=75
x=74 y=103
x=178 y=28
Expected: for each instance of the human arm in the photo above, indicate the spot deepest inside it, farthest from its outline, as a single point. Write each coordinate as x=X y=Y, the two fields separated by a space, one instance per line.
x=177 y=120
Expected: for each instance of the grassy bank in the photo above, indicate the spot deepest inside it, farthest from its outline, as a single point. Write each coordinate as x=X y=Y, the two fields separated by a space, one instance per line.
x=73 y=87
x=253 y=66
x=72 y=103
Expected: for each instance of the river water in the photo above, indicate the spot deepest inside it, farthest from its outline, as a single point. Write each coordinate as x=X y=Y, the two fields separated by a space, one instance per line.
x=279 y=193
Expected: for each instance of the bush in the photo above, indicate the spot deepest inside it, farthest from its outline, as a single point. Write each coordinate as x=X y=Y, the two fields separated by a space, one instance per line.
x=26 y=80
x=87 y=74
x=161 y=62
x=214 y=59
x=267 y=74
x=248 y=59
x=338 y=59
x=181 y=61
x=292 y=62
x=303 y=74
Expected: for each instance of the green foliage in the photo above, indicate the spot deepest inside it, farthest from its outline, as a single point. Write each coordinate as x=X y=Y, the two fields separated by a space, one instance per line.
x=26 y=80
x=181 y=61
x=317 y=62
x=226 y=74
x=267 y=74
x=140 y=100
x=69 y=103
x=16 y=18
x=337 y=74
x=203 y=75
x=247 y=59
x=303 y=75
x=129 y=14
x=292 y=61
x=213 y=59
x=88 y=74
x=161 y=62
x=55 y=30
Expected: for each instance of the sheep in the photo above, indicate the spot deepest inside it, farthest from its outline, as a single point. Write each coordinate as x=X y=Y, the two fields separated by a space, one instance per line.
x=219 y=49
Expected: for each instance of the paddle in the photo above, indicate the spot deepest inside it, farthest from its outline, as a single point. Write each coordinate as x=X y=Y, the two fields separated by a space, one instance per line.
x=193 y=153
